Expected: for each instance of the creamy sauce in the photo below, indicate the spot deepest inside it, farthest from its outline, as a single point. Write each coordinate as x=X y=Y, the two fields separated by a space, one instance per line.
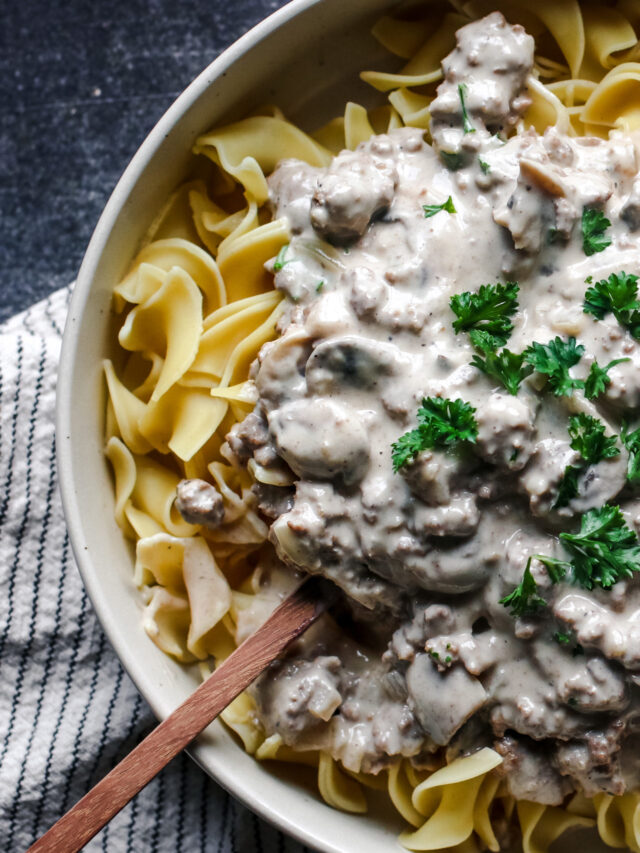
x=425 y=655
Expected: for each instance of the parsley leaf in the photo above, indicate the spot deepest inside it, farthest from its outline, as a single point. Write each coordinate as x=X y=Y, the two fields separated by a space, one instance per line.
x=554 y=360
x=598 y=378
x=568 y=488
x=563 y=639
x=467 y=127
x=319 y=286
x=631 y=441
x=604 y=551
x=441 y=423
x=280 y=260
x=618 y=295
x=486 y=168
x=432 y=209
x=489 y=310
x=452 y=160
x=524 y=599
x=588 y=438
x=505 y=366
x=556 y=569
x=594 y=224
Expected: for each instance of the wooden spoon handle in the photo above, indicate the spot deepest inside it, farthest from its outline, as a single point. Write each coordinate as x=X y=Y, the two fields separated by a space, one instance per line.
x=104 y=800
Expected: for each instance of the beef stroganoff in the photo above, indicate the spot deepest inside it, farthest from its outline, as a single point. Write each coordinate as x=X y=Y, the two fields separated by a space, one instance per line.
x=403 y=352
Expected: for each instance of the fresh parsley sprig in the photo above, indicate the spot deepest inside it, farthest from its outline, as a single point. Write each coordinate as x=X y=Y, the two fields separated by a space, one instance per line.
x=598 y=378
x=488 y=310
x=441 y=423
x=594 y=225
x=589 y=440
x=508 y=368
x=631 y=441
x=604 y=551
x=431 y=209
x=554 y=360
x=568 y=486
x=467 y=127
x=524 y=600
x=618 y=295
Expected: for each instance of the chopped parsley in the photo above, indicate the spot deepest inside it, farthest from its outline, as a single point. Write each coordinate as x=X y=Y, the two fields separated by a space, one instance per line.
x=594 y=225
x=441 y=423
x=319 y=286
x=524 y=599
x=618 y=295
x=281 y=260
x=604 y=551
x=432 y=209
x=568 y=488
x=467 y=127
x=554 y=360
x=566 y=640
x=596 y=382
x=507 y=367
x=489 y=311
x=631 y=441
x=486 y=168
x=589 y=440
x=452 y=160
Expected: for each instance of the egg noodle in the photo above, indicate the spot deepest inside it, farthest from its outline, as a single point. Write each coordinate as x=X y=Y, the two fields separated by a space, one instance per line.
x=197 y=305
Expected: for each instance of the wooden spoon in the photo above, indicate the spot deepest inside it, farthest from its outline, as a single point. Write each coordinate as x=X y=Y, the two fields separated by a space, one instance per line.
x=104 y=800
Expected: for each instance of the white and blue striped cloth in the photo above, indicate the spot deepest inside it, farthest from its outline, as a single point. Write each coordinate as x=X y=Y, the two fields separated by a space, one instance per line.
x=68 y=712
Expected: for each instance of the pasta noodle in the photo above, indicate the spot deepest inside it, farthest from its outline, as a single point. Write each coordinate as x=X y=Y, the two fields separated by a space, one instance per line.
x=196 y=306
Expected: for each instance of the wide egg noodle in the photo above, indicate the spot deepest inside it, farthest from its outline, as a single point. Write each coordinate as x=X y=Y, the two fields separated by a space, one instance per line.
x=182 y=421
x=175 y=253
x=447 y=800
x=401 y=791
x=542 y=825
x=242 y=259
x=127 y=410
x=168 y=324
x=220 y=339
x=187 y=566
x=424 y=65
x=242 y=718
x=166 y=619
x=251 y=148
x=615 y=102
x=338 y=789
x=618 y=820
x=607 y=33
x=412 y=107
x=204 y=258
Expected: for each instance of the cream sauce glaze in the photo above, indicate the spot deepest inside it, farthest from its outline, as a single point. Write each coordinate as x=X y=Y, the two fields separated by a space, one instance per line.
x=425 y=656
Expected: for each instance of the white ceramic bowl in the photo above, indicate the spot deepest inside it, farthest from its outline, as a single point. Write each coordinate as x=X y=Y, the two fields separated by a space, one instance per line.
x=305 y=58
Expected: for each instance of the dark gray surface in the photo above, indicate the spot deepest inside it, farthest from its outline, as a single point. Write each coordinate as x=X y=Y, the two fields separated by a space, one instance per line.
x=81 y=85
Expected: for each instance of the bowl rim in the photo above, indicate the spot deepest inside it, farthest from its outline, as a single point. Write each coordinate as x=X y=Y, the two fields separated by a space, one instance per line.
x=223 y=775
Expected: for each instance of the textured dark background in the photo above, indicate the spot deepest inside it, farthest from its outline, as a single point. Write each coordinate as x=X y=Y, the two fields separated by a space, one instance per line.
x=81 y=84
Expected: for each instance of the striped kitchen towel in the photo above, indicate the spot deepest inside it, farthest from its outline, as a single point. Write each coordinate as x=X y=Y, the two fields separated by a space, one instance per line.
x=68 y=712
